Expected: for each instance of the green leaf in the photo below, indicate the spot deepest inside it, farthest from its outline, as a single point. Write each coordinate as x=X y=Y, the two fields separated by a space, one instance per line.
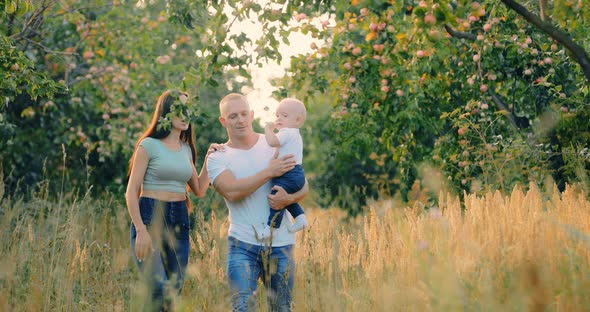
x=255 y=7
x=29 y=111
x=244 y=73
x=420 y=11
x=10 y=7
x=440 y=15
x=212 y=82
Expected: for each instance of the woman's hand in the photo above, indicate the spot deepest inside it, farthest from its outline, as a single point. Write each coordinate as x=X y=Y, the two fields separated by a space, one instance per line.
x=143 y=244
x=215 y=147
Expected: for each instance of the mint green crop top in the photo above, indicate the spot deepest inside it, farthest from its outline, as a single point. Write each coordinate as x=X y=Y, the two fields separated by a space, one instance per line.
x=167 y=170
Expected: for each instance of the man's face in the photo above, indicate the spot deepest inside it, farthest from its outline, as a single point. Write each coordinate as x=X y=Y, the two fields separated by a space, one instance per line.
x=237 y=118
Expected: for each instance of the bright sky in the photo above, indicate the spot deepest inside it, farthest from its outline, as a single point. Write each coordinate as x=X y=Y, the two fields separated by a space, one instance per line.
x=261 y=96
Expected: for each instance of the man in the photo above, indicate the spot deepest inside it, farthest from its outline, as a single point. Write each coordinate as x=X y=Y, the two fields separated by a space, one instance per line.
x=241 y=174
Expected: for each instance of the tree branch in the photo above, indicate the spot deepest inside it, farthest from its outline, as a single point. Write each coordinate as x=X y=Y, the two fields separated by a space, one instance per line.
x=10 y=24
x=33 y=22
x=80 y=9
x=46 y=49
x=460 y=34
x=578 y=53
x=501 y=106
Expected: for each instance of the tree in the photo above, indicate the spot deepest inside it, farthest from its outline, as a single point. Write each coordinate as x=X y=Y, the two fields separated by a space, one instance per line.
x=82 y=77
x=478 y=95
x=464 y=94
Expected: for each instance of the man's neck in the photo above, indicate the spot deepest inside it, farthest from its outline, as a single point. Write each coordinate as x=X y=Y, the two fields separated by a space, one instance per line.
x=244 y=143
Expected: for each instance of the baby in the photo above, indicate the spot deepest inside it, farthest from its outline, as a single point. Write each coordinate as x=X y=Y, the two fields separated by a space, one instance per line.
x=290 y=116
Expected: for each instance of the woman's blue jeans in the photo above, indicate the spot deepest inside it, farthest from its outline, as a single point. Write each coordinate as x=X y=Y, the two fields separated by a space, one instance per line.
x=246 y=263
x=164 y=270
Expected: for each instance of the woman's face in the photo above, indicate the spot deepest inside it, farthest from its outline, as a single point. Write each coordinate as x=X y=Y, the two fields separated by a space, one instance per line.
x=178 y=119
x=179 y=123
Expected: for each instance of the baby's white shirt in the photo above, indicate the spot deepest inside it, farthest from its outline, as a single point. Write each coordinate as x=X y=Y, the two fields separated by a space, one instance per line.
x=291 y=143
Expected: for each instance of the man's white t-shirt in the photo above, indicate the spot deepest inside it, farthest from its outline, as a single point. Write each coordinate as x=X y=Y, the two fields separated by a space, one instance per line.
x=291 y=143
x=252 y=211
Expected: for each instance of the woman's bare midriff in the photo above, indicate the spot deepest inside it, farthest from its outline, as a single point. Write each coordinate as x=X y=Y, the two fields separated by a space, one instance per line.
x=164 y=195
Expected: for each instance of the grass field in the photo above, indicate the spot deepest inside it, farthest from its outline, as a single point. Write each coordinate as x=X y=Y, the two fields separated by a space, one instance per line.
x=525 y=251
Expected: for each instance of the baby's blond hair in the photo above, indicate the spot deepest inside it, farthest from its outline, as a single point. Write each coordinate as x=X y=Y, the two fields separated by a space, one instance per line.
x=299 y=106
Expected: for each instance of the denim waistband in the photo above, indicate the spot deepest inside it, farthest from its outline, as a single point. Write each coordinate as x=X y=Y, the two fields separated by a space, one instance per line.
x=159 y=203
x=173 y=216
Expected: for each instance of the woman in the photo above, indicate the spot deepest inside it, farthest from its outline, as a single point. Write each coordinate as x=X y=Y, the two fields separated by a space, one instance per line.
x=161 y=167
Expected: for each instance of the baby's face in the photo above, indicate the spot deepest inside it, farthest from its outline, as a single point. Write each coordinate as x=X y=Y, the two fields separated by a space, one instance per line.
x=288 y=116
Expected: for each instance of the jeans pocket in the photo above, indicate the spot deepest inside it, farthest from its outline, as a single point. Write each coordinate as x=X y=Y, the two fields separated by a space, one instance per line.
x=178 y=219
x=146 y=209
x=181 y=231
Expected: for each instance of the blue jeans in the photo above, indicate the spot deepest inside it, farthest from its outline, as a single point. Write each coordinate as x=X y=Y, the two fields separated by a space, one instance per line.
x=292 y=181
x=164 y=270
x=246 y=263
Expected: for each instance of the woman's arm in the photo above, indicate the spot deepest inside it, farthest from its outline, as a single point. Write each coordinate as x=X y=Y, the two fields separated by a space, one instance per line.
x=143 y=242
x=199 y=183
x=139 y=166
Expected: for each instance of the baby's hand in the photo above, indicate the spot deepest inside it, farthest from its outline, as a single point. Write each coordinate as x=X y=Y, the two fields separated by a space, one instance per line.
x=270 y=126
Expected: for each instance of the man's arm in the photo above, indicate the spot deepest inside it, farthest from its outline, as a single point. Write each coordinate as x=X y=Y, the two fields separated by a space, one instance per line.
x=282 y=199
x=234 y=189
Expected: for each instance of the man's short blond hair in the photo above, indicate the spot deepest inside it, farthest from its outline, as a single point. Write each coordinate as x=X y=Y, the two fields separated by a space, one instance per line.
x=230 y=98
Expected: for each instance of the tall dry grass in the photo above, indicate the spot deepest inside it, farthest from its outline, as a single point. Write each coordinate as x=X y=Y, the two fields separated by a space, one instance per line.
x=525 y=251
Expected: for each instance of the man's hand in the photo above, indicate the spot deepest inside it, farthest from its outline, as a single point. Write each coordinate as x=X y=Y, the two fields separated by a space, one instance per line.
x=279 y=166
x=280 y=199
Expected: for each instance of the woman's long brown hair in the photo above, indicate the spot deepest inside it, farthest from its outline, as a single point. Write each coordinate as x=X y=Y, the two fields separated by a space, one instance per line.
x=163 y=105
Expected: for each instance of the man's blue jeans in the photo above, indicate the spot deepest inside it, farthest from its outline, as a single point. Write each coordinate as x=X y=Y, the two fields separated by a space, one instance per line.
x=164 y=270
x=292 y=181
x=246 y=263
